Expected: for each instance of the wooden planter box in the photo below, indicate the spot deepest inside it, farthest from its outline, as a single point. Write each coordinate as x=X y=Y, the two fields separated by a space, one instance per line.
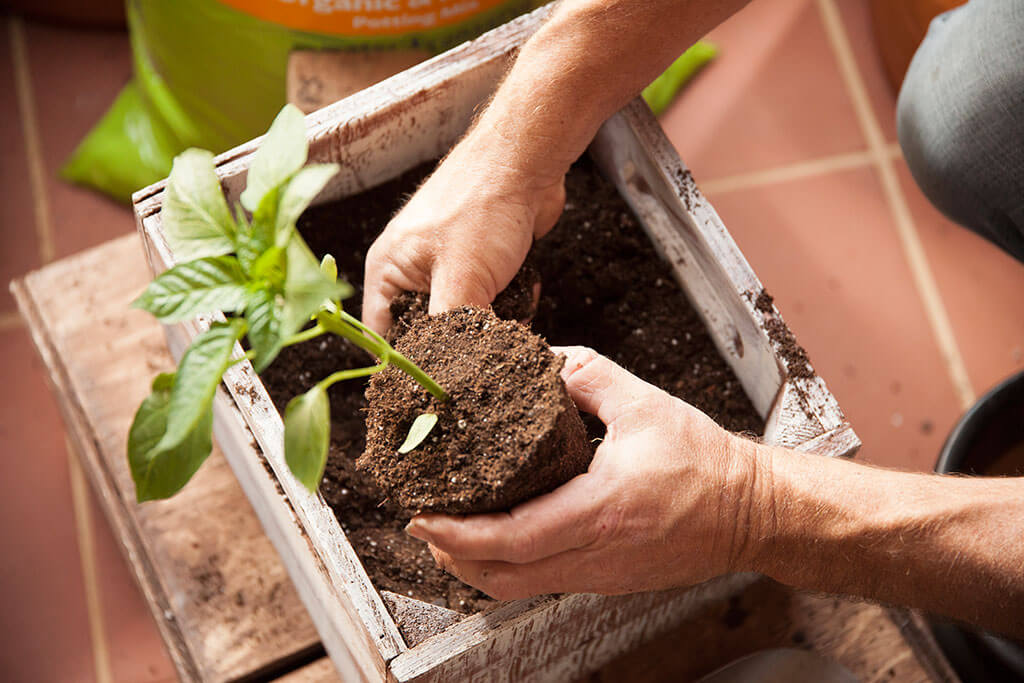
x=376 y=135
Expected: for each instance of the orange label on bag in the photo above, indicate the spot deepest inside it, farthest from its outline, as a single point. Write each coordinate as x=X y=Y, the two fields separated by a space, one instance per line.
x=364 y=17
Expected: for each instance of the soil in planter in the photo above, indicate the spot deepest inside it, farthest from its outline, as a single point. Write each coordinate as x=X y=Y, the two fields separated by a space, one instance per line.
x=602 y=285
x=508 y=432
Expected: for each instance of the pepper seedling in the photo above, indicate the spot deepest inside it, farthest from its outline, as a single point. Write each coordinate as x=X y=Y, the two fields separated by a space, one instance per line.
x=254 y=267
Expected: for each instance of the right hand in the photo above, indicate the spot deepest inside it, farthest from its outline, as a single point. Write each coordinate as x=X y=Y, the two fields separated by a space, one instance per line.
x=670 y=499
x=465 y=232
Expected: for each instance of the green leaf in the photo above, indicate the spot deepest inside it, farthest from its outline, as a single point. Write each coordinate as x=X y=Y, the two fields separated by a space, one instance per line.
x=270 y=267
x=282 y=153
x=265 y=217
x=306 y=287
x=307 y=424
x=195 y=215
x=198 y=375
x=250 y=240
x=297 y=195
x=161 y=473
x=419 y=431
x=264 y=316
x=248 y=249
x=205 y=285
x=329 y=267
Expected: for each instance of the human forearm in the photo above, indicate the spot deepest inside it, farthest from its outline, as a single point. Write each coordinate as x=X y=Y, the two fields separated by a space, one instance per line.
x=947 y=545
x=588 y=60
x=502 y=186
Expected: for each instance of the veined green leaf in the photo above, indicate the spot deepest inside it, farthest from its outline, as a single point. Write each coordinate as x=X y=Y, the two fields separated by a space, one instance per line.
x=282 y=152
x=198 y=375
x=296 y=196
x=306 y=287
x=195 y=215
x=248 y=249
x=251 y=240
x=205 y=285
x=161 y=473
x=420 y=429
x=307 y=421
x=263 y=313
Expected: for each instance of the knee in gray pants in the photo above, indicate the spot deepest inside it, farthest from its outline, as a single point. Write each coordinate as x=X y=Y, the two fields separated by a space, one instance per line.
x=961 y=119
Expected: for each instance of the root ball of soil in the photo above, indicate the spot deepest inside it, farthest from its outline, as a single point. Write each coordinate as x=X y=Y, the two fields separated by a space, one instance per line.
x=509 y=431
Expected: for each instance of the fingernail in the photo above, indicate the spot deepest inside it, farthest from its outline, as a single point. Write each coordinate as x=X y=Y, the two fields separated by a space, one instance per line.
x=415 y=529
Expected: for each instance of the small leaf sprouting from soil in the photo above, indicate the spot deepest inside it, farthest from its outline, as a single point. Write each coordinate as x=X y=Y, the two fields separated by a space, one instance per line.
x=421 y=428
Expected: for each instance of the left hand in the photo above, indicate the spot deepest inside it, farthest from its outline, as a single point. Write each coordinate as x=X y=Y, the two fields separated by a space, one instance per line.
x=667 y=502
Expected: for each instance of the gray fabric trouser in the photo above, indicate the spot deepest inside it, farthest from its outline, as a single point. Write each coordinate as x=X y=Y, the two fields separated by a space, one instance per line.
x=961 y=119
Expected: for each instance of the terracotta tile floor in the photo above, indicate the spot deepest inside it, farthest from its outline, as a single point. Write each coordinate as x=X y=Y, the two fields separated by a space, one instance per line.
x=778 y=132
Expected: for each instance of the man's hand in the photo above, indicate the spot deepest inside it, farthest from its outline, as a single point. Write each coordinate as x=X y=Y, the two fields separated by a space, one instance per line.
x=665 y=502
x=467 y=230
x=465 y=233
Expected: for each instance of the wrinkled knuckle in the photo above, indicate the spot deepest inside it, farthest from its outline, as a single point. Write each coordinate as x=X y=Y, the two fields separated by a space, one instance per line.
x=523 y=546
x=582 y=360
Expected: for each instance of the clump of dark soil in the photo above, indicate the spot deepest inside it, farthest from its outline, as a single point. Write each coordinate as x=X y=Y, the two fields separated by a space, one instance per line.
x=508 y=432
x=603 y=286
x=518 y=301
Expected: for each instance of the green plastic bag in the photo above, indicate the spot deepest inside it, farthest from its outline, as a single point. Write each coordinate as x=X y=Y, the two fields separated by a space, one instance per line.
x=660 y=93
x=211 y=76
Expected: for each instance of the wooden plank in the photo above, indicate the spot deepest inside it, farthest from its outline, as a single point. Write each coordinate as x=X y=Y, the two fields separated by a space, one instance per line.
x=317 y=78
x=221 y=599
x=320 y=671
x=862 y=637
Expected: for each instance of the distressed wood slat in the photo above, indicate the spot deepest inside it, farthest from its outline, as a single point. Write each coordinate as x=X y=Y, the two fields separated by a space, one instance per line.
x=867 y=639
x=320 y=671
x=316 y=78
x=221 y=598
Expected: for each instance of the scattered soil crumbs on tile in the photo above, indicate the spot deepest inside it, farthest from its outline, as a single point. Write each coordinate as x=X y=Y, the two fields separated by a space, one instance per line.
x=602 y=285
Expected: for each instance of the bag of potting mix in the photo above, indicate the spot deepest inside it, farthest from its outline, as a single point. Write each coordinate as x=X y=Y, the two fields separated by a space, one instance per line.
x=211 y=73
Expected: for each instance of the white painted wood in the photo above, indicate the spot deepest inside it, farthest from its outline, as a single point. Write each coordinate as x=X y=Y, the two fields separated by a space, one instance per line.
x=547 y=639
x=376 y=135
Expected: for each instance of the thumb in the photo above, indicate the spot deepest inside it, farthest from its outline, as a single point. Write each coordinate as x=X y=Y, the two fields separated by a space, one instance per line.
x=601 y=387
x=451 y=287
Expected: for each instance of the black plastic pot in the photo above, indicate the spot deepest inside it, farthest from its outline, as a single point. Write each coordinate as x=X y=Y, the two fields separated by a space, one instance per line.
x=988 y=440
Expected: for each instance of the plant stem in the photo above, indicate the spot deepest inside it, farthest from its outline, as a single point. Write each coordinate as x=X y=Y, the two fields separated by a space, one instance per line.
x=342 y=375
x=305 y=335
x=345 y=325
x=248 y=355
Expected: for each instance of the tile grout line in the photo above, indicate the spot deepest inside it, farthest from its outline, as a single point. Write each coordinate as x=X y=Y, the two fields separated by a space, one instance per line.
x=87 y=557
x=795 y=171
x=913 y=249
x=44 y=235
x=33 y=146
